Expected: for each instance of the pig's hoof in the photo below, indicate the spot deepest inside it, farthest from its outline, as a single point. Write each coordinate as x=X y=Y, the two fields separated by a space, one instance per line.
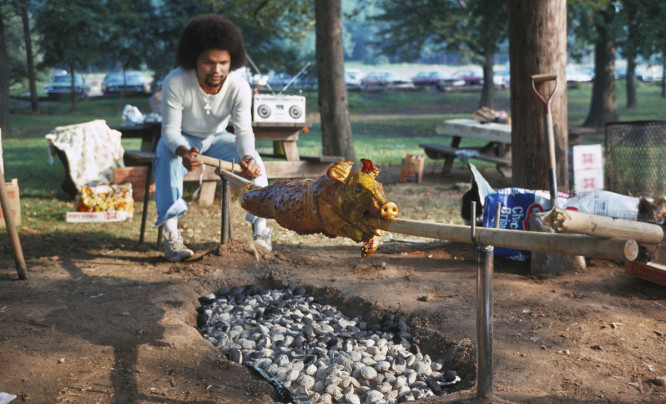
x=369 y=247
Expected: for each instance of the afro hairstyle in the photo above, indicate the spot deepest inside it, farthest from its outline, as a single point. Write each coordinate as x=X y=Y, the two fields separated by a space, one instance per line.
x=210 y=31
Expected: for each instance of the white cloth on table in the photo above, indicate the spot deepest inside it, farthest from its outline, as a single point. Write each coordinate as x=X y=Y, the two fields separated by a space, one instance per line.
x=92 y=149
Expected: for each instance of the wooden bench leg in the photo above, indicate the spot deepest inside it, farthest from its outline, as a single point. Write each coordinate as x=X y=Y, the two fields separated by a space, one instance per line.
x=448 y=163
x=207 y=193
x=146 y=198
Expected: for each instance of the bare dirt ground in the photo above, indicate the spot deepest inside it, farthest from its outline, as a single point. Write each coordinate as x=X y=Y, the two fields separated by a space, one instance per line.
x=117 y=325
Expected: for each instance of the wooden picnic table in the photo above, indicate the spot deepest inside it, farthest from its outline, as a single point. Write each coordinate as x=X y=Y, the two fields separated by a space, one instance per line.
x=285 y=162
x=497 y=135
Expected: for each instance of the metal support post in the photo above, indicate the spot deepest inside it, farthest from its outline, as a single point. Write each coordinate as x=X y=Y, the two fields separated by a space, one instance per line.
x=484 y=312
x=226 y=212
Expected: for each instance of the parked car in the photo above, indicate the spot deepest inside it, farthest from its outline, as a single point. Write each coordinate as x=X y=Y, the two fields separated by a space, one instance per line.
x=579 y=74
x=431 y=79
x=306 y=82
x=502 y=78
x=62 y=84
x=353 y=79
x=277 y=81
x=652 y=73
x=131 y=82
x=469 y=76
x=385 y=79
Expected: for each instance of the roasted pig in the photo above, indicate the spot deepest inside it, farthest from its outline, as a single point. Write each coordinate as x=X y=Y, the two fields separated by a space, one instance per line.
x=334 y=204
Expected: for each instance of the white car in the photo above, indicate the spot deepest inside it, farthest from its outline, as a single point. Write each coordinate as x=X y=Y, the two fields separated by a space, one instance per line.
x=353 y=79
x=62 y=84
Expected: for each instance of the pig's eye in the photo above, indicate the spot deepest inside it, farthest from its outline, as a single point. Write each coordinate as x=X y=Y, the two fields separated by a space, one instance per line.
x=358 y=189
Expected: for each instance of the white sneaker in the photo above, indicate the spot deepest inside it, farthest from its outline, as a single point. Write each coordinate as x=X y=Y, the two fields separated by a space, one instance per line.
x=174 y=249
x=263 y=239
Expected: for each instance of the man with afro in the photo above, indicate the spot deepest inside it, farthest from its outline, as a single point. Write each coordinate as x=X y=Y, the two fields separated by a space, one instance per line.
x=199 y=99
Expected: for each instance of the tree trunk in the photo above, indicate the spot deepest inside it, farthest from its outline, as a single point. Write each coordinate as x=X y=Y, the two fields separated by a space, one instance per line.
x=73 y=88
x=537 y=45
x=488 y=90
x=336 y=133
x=4 y=79
x=29 y=58
x=632 y=99
x=603 y=107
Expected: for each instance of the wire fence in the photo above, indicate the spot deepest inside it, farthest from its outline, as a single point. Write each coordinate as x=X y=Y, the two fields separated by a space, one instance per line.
x=636 y=158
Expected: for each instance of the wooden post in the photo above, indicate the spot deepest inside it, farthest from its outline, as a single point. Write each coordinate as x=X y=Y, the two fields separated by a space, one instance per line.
x=9 y=221
x=576 y=244
x=571 y=221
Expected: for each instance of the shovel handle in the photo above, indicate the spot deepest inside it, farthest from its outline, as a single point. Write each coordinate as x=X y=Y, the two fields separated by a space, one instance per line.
x=540 y=78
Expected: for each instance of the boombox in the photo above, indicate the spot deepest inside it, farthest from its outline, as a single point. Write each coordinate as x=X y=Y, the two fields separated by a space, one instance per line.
x=278 y=108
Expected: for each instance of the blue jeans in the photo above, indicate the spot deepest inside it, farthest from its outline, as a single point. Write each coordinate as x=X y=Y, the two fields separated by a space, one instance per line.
x=169 y=172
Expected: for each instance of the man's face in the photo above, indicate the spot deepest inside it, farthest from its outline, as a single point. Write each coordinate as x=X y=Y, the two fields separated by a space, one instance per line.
x=212 y=68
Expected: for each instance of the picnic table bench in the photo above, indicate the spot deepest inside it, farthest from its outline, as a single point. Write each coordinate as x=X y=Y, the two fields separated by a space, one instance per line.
x=290 y=163
x=497 y=135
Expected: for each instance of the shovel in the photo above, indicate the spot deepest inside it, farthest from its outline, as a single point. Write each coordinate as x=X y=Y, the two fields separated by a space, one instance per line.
x=540 y=78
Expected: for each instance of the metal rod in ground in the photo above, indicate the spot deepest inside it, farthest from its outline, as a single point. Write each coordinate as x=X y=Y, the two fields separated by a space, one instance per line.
x=484 y=315
x=226 y=212
x=11 y=229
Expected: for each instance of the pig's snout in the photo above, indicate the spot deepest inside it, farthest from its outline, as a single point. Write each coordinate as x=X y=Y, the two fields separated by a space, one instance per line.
x=389 y=211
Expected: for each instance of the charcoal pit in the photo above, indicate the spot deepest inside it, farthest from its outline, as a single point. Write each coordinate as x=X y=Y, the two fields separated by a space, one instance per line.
x=311 y=352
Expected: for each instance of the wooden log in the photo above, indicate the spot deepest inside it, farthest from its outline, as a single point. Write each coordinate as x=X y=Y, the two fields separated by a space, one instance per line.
x=11 y=229
x=225 y=165
x=572 y=244
x=571 y=221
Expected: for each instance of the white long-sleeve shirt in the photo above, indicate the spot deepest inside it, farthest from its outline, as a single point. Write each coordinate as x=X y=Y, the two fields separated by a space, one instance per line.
x=184 y=110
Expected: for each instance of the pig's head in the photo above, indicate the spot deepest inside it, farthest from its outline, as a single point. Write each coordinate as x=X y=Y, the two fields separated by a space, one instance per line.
x=362 y=195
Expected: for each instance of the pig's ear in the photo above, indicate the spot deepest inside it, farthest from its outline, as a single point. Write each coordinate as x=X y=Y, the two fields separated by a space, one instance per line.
x=340 y=170
x=369 y=168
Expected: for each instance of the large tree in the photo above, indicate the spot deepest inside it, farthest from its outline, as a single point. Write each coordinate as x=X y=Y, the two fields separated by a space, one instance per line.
x=633 y=42
x=71 y=33
x=537 y=45
x=598 y=23
x=333 y=102
x=271 y=25
x=475 y=28
x=171 y=17
x=128 y=38
x=4 y=76
x=32 y=80
x=656 y=36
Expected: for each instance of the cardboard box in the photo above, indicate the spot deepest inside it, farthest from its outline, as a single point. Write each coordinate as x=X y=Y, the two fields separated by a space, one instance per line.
x=586 y=168
x=412 y=168
x=651 y=271
x=586 y=157
x=97 y=217
x=588 y=180
x=14 y=203
x=135 y=176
